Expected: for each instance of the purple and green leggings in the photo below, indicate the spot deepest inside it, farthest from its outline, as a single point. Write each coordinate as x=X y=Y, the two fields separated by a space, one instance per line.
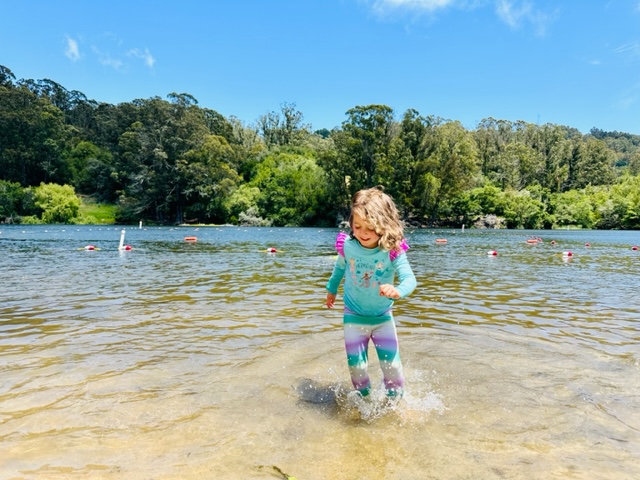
x=358 y=330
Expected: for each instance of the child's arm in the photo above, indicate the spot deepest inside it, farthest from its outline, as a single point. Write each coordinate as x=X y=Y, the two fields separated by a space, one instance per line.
x=334 y=281
x=331 y=299
x=406 y=278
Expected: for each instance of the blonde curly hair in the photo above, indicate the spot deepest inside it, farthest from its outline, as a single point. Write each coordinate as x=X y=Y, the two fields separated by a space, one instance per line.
x=381 y=214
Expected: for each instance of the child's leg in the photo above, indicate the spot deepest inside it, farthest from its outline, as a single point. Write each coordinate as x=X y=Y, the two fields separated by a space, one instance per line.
x=356 y=340
x=385 y=339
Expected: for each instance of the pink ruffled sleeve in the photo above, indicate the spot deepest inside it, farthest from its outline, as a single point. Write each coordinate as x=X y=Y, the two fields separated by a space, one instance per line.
x=342 y=236
x=393 y=254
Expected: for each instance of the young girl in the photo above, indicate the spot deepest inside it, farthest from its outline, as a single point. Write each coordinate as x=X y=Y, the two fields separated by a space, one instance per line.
x=373 y=254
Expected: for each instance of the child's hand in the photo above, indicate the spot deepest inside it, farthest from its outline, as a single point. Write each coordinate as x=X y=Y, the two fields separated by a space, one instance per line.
x=331 y=300
x=390 y=291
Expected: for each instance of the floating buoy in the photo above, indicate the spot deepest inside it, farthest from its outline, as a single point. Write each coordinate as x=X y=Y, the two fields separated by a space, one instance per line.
x=441 y=240
x=635 y=247
x=553 y=242
x=90 y=247
x=532 y=240
x=122 y=246
x=492 y=253
x=587 y=244
x=271 y=250
x=190 y=239
x=567 y=254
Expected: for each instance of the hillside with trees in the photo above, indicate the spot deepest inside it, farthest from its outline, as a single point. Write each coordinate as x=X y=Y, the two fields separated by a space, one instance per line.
x=170 y=161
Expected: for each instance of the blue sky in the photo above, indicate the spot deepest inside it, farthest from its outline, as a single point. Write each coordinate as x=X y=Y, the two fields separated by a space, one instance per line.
x=573 y=63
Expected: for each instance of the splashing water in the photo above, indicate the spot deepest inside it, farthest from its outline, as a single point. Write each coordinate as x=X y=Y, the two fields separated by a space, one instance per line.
x=352 y=406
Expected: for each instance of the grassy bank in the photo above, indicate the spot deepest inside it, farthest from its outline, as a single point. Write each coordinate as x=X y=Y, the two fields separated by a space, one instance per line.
x=95 y=213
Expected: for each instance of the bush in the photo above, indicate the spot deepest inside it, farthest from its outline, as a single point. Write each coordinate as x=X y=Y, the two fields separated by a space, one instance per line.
x=58 y=203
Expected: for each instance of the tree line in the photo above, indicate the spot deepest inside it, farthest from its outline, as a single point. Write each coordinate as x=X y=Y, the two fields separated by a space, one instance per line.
x=171 y=161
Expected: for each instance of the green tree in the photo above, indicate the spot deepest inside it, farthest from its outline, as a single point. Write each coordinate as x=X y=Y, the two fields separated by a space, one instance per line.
x=339 y=168
x=368 y=131
x=150 y=153
x=91 y=169
x=292 y=187
x=208 y=179
x=57 y=203
x=451 y=167
x=32 y=138
x=11 y=197
x=243 y=204
x=573 y=208
x=625 y=197
x=596 y=165
x=284 y=128
x=522 y=210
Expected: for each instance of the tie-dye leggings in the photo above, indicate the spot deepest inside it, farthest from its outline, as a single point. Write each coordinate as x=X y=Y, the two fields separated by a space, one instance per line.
x=358 y=330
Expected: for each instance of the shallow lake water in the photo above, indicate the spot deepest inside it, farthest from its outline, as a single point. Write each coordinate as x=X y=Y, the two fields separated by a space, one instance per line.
x=181 y=359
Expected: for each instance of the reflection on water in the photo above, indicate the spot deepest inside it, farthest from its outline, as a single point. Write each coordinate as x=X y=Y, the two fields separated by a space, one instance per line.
x=184 y=360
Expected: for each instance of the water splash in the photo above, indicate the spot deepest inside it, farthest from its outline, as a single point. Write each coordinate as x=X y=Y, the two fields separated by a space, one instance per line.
x=413 y=406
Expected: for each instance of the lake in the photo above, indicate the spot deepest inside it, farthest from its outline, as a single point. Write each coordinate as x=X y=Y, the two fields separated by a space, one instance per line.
x=183 y=359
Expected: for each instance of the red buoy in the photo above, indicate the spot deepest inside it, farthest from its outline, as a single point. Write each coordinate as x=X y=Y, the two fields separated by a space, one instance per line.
x=635 y=247
x=492 y=253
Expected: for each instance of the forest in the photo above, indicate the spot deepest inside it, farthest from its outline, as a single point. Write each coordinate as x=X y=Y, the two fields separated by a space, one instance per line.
x=171 y=161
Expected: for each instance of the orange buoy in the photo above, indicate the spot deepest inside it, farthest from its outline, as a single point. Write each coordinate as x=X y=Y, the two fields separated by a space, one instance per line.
x=441 y=240
x=190 y=239
x=532 y=240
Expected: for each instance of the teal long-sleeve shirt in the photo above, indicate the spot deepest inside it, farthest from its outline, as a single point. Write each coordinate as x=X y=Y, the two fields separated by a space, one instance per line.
x=364 y=270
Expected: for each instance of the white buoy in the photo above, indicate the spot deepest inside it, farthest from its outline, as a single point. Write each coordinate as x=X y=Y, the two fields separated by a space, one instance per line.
x=121 y=247
x=140 y=224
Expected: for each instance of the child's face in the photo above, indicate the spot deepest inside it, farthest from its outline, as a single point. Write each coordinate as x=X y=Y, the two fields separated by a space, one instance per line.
x=367 y=237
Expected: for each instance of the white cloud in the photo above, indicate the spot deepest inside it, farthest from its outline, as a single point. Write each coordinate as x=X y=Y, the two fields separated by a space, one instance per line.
x=386 y=8
x=145 y=56
x=424 y=5
x=107 y=59
x=72 y=51
x=630 y=97
x=630 y=51
x=515 y=14
x=510 y=14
